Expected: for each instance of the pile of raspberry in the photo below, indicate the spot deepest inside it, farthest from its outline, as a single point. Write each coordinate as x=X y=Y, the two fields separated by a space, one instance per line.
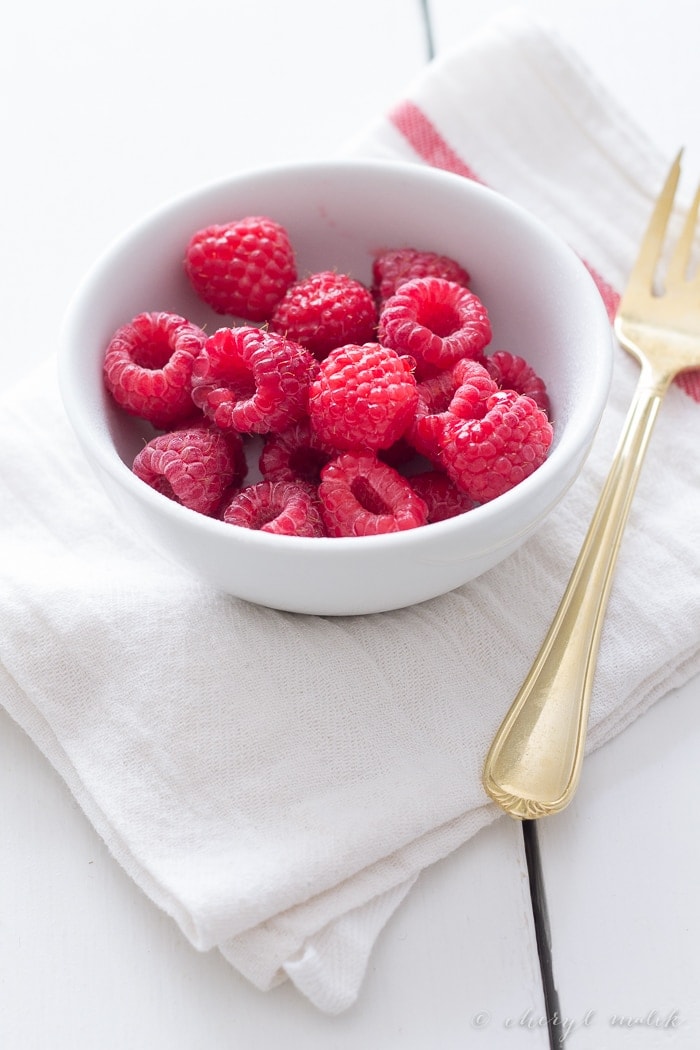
x=373 y=409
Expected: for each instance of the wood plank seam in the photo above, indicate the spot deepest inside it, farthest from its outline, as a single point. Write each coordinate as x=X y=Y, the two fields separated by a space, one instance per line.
x=543 y=937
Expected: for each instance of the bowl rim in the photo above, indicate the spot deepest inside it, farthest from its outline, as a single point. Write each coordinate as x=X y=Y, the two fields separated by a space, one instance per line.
x=579 y=431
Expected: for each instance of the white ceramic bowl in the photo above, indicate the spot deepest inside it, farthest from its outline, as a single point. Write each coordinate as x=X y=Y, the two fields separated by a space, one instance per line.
x=542 y=303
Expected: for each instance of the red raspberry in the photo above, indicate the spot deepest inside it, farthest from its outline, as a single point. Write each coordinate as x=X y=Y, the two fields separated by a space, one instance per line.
x=194 y=467
x=241 y=268
x=295 y=454
x=436 y=392
x=281 y=507
x=434 y=320
x=486 y=457
x=361 y=496
x=514 y=373
x=252 y=381
x=474 y=387
x=434 y=396
x=441 y=496
x=148 y=365
x=362 y=397
x=324 y=311
x=394 y=268
x=462 y=390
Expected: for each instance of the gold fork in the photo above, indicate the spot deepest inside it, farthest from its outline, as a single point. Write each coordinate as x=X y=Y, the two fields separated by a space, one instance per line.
x=533 y=766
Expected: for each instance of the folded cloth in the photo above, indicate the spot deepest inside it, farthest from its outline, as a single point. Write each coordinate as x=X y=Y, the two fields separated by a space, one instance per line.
x=277 y=782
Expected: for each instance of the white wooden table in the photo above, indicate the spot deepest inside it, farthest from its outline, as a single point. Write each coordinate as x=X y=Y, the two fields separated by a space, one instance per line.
x=107 y=110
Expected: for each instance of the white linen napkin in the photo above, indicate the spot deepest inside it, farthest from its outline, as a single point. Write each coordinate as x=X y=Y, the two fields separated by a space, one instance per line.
x=277 y=782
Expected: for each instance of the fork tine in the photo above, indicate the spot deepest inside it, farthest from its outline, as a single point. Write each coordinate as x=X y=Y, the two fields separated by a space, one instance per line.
x=645 y=266
x=678 y=266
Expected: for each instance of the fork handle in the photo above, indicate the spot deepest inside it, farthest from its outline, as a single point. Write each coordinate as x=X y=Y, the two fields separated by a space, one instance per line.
x=534 y=763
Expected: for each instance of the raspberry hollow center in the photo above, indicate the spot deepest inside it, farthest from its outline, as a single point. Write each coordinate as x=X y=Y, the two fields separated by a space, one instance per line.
x=240 y=381
x=153 y=353
x=262 y=516
x=368 y=497
x=439 y=318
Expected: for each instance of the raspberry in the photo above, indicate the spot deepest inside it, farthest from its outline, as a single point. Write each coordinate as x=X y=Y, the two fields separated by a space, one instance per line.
x=394 y=268
x=441 y=496
x=295 y=454
x=434 y=397
x=194 y=467
x=362 y=397
x=361 y=496
x=514 y=373
x=252 y=381
x=436 y=392
x=282 y=507
x=241 y=268
x=461 y=391
x=343 y=397
x=324 y=311
x=148 y=365
x=434 y=320
x=486 y=457
x=474 y=386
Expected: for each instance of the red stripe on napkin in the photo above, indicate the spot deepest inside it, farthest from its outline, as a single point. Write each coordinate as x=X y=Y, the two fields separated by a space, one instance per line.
x=610 y=297
x=428 y=143
x=690 y=382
